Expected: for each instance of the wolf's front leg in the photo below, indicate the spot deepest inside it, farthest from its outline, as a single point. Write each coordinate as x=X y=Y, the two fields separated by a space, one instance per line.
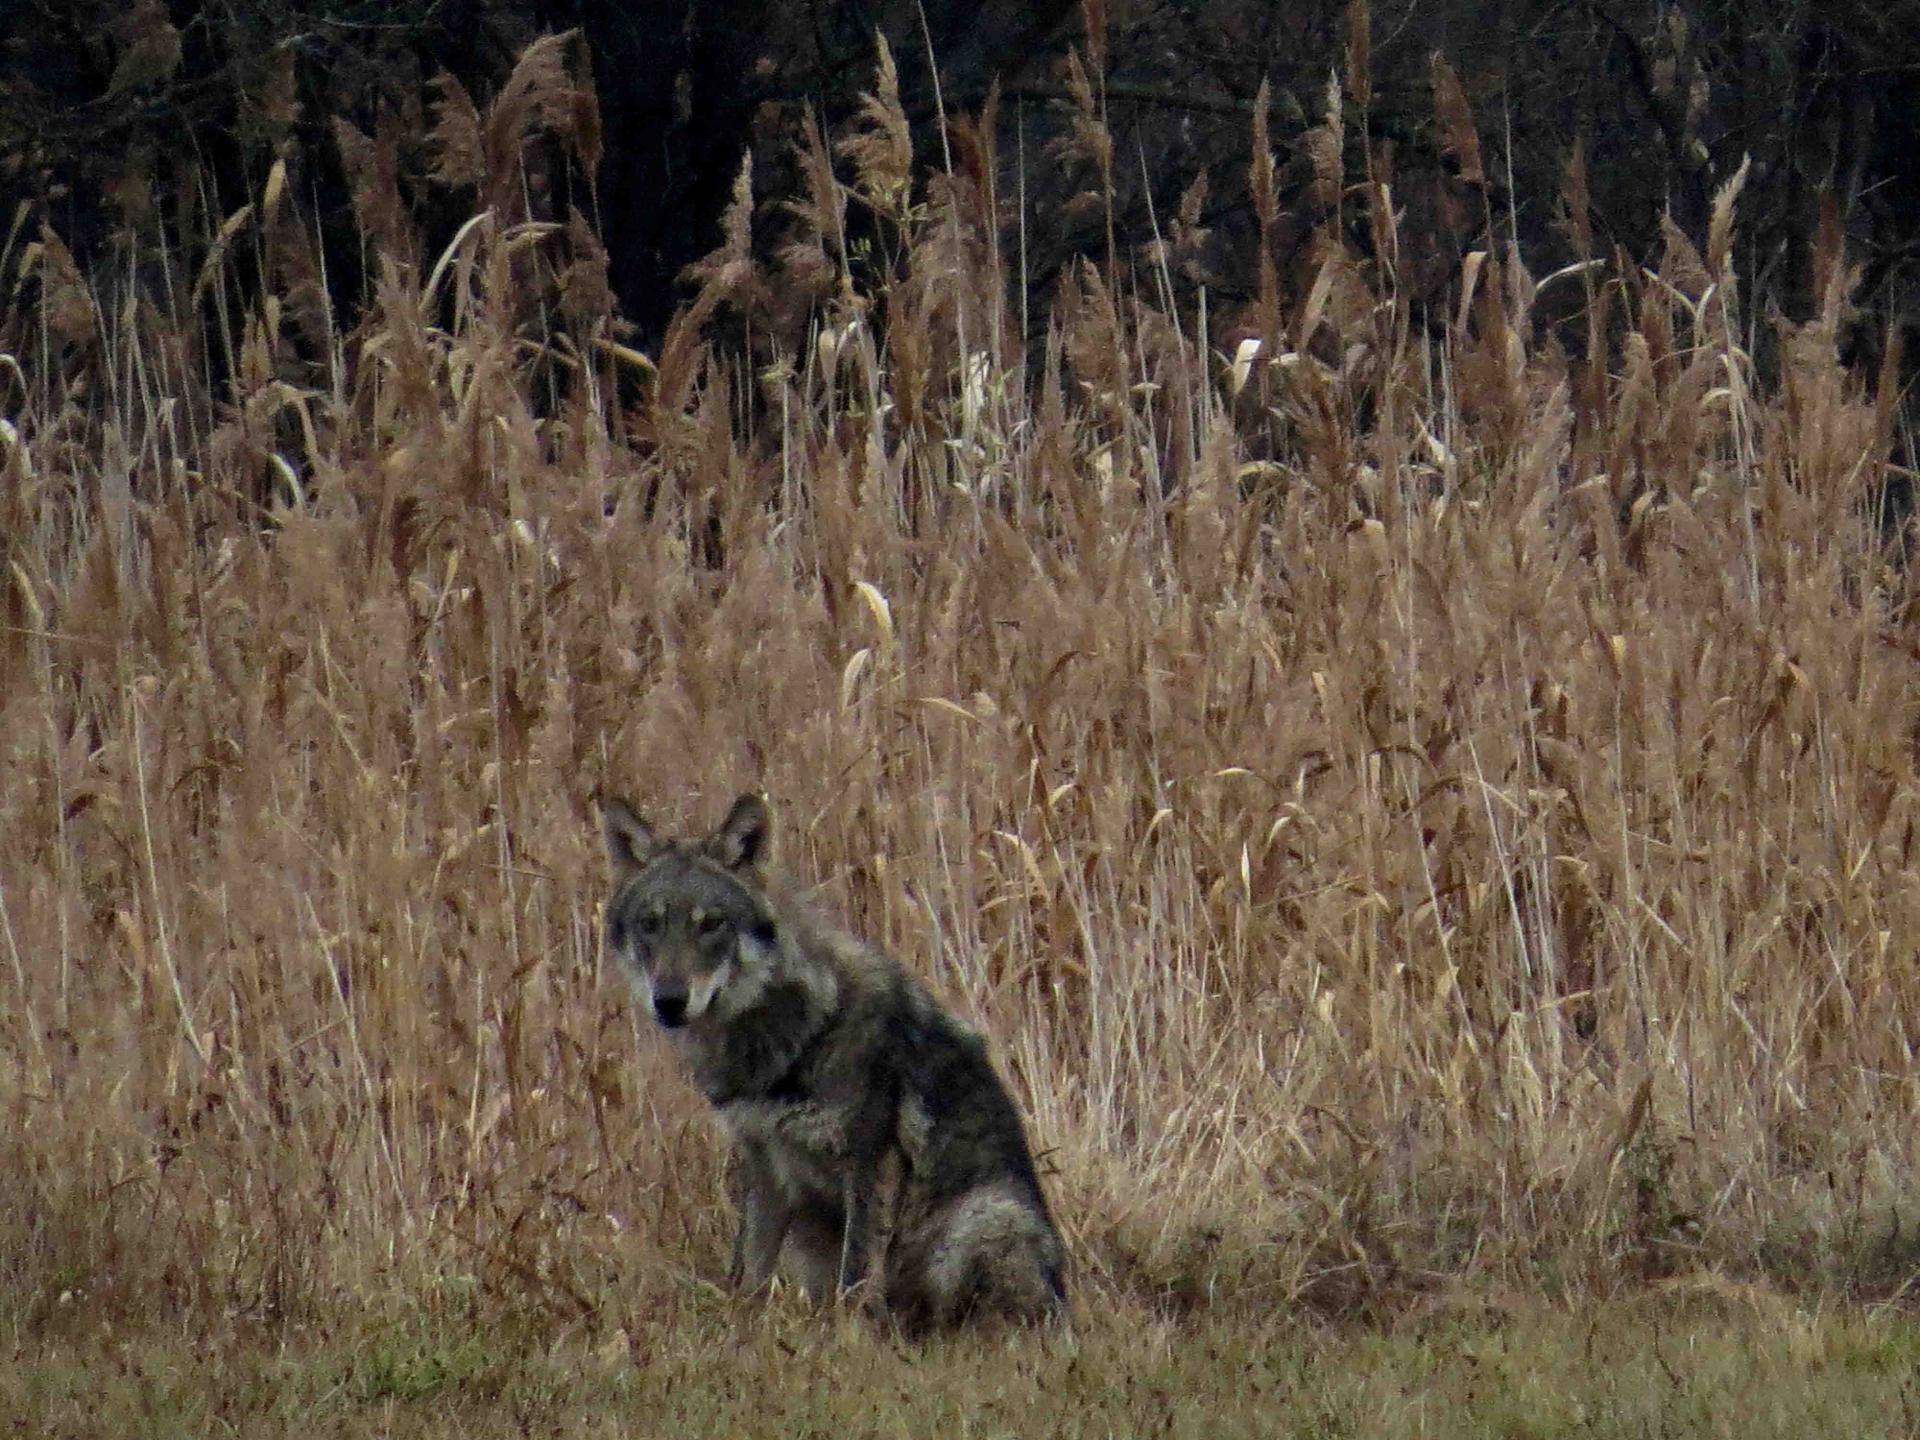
x=765 y=1214
x=860 y=1193
x=857 y=1198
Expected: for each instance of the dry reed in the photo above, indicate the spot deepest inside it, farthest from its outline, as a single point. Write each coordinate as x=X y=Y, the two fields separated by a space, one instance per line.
x=1414 y=807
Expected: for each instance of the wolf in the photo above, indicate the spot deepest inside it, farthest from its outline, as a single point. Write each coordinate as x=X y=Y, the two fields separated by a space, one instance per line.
x=829 y=1067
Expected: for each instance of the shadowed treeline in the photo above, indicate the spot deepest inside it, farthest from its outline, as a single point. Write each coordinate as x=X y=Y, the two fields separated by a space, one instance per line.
x=145 y=120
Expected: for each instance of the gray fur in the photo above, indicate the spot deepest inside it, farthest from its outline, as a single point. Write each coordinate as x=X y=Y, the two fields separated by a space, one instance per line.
x=972 y=1234
x=825 y=1060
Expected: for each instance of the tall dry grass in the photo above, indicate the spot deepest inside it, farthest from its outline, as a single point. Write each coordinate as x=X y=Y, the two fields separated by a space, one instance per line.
x=1414 y=805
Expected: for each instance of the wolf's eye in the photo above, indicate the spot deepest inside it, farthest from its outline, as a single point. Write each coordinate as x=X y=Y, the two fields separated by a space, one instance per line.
x=651 y=924
x=711 y=925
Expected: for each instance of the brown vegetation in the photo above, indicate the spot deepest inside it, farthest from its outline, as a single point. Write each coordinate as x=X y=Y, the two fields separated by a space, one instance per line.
x=1412 y=810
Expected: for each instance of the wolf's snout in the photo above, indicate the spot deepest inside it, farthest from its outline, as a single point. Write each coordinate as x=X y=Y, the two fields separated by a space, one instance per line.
x=670 y=1007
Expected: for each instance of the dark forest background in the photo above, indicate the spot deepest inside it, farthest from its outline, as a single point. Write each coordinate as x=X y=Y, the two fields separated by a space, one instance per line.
x=159 y=119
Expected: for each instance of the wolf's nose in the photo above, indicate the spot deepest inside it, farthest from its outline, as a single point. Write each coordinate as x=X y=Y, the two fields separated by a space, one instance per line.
x=670 y=1007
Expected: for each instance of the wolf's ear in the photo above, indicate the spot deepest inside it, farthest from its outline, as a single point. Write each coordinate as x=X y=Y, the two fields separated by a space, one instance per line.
x=631 y=842
x=745 y=837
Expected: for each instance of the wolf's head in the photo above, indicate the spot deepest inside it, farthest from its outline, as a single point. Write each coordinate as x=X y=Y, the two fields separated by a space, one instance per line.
x=689 y=920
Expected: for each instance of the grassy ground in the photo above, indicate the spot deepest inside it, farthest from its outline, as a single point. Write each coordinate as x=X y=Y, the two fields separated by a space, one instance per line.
x=1675 y=1364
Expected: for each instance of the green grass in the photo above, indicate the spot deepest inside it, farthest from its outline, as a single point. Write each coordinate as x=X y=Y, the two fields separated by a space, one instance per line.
x=1706 y=1364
